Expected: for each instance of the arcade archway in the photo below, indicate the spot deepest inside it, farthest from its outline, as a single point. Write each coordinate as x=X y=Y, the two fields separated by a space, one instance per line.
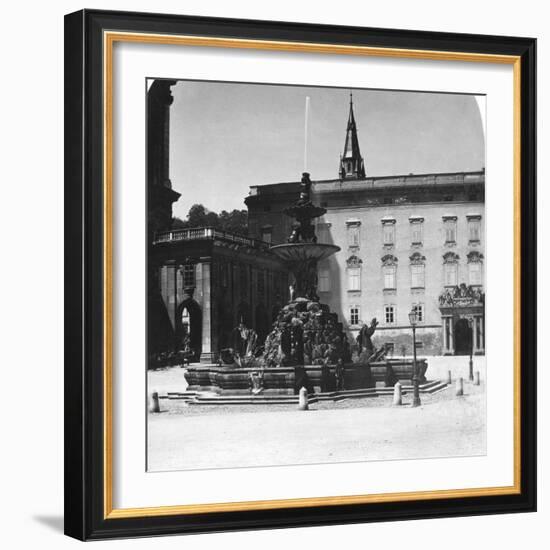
x=189 y=328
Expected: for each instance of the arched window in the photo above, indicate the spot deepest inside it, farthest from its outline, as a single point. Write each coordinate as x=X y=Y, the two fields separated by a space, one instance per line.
x=418 y=268
x=475 y=268
x=450 y=268
x=354 y=273
x=389 y=271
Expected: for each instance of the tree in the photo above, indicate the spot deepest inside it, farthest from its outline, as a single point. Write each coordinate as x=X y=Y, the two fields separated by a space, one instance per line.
x=199 y=216
x=178 y=223
x=235 y=221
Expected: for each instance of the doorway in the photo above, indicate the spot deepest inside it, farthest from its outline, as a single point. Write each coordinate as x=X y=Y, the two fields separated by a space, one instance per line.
x=462 y=337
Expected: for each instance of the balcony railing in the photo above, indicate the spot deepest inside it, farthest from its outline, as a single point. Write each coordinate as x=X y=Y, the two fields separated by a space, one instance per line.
x=207 y=233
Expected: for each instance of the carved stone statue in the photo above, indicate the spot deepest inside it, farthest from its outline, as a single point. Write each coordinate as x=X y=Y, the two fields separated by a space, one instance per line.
x=292 y=293
x=245 y=341
x=256 y=382
x=364 y=340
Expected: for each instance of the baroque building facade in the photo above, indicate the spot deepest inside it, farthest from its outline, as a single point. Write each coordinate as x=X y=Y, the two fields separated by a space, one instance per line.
x=407 y=242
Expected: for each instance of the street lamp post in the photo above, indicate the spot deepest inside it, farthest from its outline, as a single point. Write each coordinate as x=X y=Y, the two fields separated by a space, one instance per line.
x=413 y=318
x=471 y=325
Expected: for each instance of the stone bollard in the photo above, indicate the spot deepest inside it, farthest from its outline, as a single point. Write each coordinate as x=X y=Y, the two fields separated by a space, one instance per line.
x=302 y=400
x=397 y=394
x=459 y=386
x=449 y=378
x=476 y=378
x=154 y=405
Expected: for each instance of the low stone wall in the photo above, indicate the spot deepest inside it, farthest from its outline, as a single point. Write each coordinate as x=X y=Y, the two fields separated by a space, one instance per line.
x=288 y=380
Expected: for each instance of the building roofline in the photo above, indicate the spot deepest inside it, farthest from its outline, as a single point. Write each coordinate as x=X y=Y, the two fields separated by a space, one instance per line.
x=374 y=178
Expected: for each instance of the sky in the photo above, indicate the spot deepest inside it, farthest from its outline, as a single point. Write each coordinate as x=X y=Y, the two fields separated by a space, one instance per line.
x=225 y=137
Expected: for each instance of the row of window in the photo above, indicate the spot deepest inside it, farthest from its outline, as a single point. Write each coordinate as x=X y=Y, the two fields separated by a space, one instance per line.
x=390 y=314
x=416 y=227
x=418 y=276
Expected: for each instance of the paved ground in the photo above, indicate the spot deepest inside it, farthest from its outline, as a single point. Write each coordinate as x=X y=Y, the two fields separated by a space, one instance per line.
x=201 y=437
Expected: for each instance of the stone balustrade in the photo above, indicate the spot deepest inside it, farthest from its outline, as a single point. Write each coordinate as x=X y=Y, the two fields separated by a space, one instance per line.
x=207 y=233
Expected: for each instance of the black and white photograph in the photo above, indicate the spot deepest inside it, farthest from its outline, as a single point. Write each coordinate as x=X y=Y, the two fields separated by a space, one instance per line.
x=273 y=275
x=315 y=272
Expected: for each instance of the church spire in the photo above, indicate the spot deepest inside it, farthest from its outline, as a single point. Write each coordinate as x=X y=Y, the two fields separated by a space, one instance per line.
x=351 y=162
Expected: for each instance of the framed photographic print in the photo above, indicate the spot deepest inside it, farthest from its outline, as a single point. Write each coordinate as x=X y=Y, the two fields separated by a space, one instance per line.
x=300 y=274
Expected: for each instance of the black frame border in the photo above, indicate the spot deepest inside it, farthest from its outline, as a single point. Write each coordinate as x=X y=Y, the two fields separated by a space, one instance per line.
x=84 y=253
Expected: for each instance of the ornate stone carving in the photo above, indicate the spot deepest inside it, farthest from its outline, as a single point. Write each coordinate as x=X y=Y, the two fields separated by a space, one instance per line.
x=461 y=296
x=450 y=258
x=475 y=257
x=417 y=259
x=389 y=259
x=354 y=261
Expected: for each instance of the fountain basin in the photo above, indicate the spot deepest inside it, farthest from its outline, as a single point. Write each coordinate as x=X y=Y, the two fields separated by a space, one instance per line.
x=230 y=380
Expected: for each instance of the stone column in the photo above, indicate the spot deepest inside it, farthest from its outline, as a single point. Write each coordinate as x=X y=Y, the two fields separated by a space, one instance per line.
x=169 y=292
x=448 y=344
x=451 y=336
x=204 y=285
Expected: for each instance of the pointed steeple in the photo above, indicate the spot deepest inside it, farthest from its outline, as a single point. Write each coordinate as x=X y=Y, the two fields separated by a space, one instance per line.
x=351 y=162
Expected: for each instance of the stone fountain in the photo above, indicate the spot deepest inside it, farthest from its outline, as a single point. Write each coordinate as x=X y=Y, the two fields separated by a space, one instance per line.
x=305 y=331
x=307 y=346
